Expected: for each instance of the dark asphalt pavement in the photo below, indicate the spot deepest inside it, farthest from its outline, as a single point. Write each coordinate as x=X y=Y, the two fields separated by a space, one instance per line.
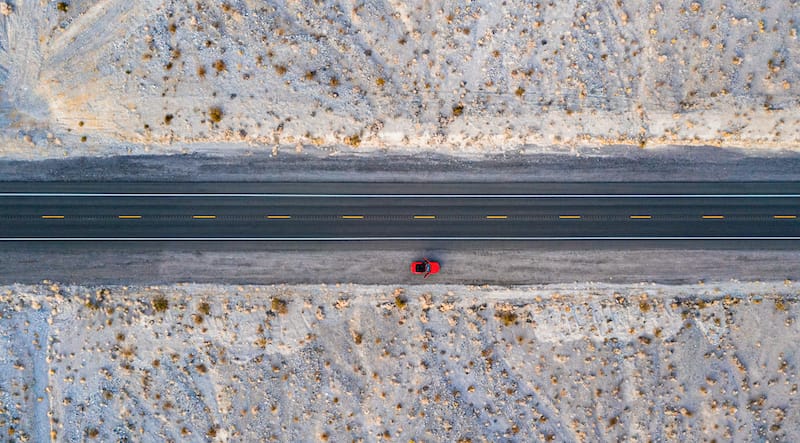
x=702 y=212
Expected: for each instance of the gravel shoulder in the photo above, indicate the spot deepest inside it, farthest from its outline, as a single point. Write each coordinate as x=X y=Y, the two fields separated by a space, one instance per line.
x=387 y=264
x=611 y=164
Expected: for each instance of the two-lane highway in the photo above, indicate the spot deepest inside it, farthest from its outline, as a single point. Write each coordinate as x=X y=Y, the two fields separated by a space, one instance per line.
x=396 y=212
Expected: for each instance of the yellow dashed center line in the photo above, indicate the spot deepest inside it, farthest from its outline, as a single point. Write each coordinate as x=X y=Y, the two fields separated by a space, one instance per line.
x=52 y=216
x=130 y=216
x=353 y=217
x=279 y=216
x=573 y=217
x=497 y=217
x=788 y=217
x=714 y=217
x=641 y=217
x=204 y=216
x=425 y=216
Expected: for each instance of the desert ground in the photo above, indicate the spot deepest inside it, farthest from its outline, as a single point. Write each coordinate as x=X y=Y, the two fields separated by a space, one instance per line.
x=114 y=77
x=420 y=363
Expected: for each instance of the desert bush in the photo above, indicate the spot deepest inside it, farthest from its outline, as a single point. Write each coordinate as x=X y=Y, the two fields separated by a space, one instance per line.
x=160 y=304
x=215 y=114
x=279 y=306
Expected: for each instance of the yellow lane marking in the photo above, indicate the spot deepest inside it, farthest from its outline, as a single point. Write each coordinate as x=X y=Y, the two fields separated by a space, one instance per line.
x=279 y=216
x=204 y=216
x=425 y=216
x=716 y=217
x=130 y=216
x=352 y=217
x=497 y=217
x=574 y=217
x=641 y=217
x=786 y=216
x=52 y=216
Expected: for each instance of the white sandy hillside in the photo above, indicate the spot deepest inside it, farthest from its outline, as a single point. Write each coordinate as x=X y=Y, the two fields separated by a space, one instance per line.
x=114 y=76
x=377 y=363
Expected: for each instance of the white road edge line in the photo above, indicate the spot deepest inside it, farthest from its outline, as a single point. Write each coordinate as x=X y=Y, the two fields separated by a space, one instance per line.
x=48 y=194
x=374 y=238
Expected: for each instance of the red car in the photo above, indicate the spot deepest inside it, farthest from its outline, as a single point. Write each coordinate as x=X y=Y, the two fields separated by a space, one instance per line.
x=425 y=267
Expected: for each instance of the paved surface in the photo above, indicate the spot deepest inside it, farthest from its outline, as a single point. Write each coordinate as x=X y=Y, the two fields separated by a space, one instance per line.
x=322 y=212
x=386 y=261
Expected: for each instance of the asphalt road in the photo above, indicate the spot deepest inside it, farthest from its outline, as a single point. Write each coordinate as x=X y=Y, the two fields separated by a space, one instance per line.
x=386 y=212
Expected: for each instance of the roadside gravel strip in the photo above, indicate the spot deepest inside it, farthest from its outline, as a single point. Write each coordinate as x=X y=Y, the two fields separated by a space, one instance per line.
x=529 y=164
x=147 y=263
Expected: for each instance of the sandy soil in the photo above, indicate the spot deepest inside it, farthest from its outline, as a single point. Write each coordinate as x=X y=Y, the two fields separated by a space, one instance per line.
x=426 y=363
x=87 y=77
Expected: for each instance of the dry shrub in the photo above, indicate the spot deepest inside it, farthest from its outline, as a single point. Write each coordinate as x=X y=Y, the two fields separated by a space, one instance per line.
x=204 y=308
x=353 y=140
x=279 y=306
x=160 y=304
x=215 y=114
x=507 y=316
